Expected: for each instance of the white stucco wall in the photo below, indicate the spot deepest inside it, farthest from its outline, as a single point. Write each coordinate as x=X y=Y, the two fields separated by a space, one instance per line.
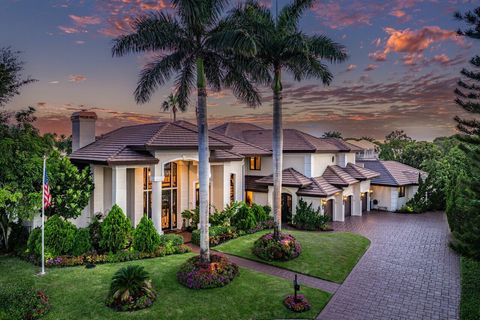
x=383 y=195
x=320 y=162
x=260 y=198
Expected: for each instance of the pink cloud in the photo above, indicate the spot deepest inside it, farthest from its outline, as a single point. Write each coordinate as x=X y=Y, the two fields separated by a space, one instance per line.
x=378 y=56
x=85 y=20
x=77 y=78
x=68 y=30
x=351 y=67
x=371 y=67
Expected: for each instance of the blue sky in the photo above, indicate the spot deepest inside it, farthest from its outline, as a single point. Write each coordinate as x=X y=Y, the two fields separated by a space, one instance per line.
x=404 y=60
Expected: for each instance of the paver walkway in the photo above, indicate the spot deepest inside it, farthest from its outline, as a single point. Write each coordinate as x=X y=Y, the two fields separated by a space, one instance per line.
x=409 y=272
x=279 y=272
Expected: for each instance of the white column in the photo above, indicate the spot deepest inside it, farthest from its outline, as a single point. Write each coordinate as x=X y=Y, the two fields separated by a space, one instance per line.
x=98 y=189
x=157 y=178
x=119 y=187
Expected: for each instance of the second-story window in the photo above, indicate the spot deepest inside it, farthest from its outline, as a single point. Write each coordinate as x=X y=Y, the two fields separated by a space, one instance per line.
x=255 y=163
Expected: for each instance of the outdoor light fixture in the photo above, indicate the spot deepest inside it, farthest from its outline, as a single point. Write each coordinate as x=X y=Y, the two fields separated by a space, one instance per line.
x=324 y=201
x=345 y=198
x=371 y=191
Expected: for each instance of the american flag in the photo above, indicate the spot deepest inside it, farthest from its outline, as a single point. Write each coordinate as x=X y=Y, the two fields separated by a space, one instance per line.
x=47 y=197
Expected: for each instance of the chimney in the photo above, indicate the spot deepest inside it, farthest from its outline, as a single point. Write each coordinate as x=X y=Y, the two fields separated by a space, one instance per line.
x=83 y=129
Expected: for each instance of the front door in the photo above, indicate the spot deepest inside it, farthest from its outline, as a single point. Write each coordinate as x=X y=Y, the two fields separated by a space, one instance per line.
x=348 y=206
x=364 y=201
x=286 y=208
x=329 y=209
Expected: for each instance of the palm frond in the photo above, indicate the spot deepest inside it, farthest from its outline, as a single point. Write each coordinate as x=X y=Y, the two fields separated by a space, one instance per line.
x=156 y=74
x=240 y=84
x=323 y=47
x=152 y=32
x=290 y=15
x=184 y=83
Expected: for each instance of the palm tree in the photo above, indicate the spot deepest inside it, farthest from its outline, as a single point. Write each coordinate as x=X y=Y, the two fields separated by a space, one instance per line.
x=172 y=104
x=202 y=49
x=282 y=46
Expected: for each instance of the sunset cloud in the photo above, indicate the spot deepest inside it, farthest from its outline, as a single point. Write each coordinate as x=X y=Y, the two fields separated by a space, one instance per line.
x=68 y=30
x=77 y=78
x=85 y=20
x=371 y=67
x=351 y=67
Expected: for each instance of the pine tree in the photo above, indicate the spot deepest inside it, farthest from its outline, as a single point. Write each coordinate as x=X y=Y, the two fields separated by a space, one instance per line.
x=466 y=230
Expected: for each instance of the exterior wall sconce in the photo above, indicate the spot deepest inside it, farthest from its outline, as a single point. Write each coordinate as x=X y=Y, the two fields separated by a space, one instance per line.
x=345 y=198
x=370 y=191
x=324 y=202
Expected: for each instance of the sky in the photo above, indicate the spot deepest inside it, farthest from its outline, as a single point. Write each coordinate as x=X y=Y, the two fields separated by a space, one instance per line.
x=404 y=60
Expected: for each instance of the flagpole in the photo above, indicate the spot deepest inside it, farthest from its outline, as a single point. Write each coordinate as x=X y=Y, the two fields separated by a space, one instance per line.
x=43 y=215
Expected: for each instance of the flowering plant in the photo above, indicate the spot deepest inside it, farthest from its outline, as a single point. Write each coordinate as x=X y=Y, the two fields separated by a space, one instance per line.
x=301 y=304
x=196 y=275
x=283 y=249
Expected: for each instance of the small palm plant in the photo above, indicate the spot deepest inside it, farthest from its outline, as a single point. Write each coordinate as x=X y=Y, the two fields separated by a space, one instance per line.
x=172 y=104
x=131 y=289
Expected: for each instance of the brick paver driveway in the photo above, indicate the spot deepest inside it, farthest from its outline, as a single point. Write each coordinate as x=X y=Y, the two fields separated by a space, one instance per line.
x=407 y=273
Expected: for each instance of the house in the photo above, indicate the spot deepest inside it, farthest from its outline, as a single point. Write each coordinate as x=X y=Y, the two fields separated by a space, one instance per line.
x=369 y=150
x=152 y=169
x=396 y=184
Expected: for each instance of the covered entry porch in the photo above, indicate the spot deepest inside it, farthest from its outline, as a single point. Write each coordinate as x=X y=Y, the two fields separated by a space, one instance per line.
x=164 y=190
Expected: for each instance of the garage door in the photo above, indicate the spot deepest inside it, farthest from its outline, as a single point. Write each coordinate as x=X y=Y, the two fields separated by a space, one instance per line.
x=348 y=206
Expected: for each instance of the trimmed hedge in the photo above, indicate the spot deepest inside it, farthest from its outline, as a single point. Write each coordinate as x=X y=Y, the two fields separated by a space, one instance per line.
x=116 y=231
x=82 y=243
x=145 y=236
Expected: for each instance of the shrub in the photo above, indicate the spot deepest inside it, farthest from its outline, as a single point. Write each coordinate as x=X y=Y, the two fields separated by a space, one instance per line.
x=82 y=243
x=406 y=209
x=175 y=239
x=145 y=236
x=131 y=289
x=20 y=300
x=95 y=231
x=192 y=217
x=217 y=235
x=18 y=237
x=59 y=235
x=267 y=210
x=259 y=213
x=115 y=231
x=307 y=218
x=34 y=243
x=283 y=249
x=218 y=273
x=244 y=219
x=59 y=238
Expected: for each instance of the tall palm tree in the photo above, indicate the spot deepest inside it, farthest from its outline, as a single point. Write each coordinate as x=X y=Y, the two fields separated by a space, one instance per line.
x=202 y=48
x=172 y=104
x=282 y=46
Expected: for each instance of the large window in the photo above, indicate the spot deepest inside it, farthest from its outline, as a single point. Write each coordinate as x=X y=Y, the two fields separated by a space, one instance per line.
x=255 y=163
x=147 y=193
x=169 y=195
x=401 y=192
x=232 y=188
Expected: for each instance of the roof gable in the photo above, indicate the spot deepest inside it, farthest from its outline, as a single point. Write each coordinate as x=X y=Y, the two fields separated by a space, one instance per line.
x=338 y=176
x=393 y=173
x=290 y=177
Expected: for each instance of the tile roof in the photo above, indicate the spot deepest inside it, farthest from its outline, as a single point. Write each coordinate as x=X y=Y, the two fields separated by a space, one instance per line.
x=319 y=188
x=251 y=184
x=359 y=172
x=296 y=141
x=337 y=176
x=235 y=129
x=290 y=177
x=393 y=173
x=130 y=145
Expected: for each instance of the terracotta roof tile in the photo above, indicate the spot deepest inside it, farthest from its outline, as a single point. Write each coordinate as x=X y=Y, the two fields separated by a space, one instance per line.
x=337 y=176
x=251 y=184
x=235 y=129
x=319 y=188
x=360 y=173
x=393 y=173
x=290 y=177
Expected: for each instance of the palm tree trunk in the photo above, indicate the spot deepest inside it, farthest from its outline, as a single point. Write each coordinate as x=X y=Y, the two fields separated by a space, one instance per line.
x=277 y=150
x=174 y=111
x=203 y=162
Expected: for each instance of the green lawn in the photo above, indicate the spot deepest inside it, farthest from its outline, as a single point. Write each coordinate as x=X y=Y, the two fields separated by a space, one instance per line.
x=470 y=302
x=79 y=293
x=326 y=255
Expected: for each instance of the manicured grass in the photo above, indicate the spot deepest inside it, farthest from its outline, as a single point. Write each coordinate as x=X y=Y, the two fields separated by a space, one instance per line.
x=326 y=255
x=79 y=293
x=470 y=301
